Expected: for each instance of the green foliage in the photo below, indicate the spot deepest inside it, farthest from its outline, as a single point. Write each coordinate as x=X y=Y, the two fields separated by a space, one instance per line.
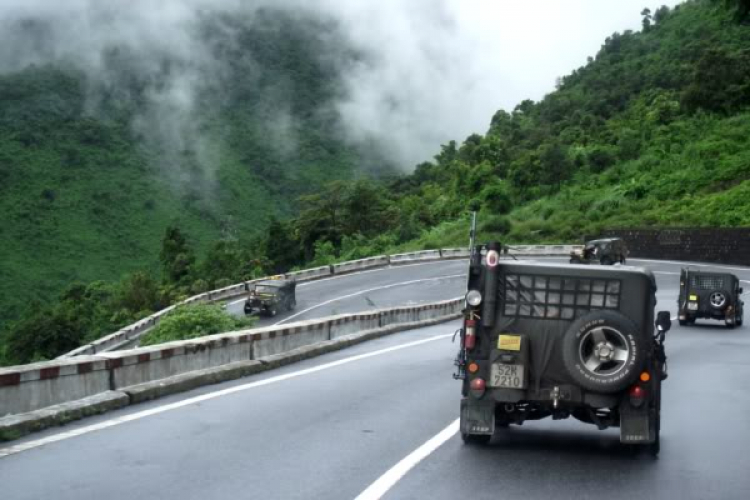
x=193 y=321
x=177 y=257
x=86 y=197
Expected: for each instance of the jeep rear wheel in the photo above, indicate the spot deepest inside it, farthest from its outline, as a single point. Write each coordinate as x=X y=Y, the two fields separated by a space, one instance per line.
x=604 y=351
x=606 y=261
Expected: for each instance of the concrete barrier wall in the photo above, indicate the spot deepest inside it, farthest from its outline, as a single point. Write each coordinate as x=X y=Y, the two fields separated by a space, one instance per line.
x=424 y=255
x=454 y=253
x=32 y=387
x=310 y=274
x=146 y=364
x=360 y=265
x=283 y=339
x=347 y=324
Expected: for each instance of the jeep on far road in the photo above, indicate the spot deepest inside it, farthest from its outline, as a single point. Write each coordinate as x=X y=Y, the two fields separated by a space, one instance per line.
x=549 y=340
x=272 y=296
x=605 y=251
x=710 y=295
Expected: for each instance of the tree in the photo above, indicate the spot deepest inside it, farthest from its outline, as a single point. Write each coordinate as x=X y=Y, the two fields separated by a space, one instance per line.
x=139 y=292
x=321 y=216
x=661 y=14
x=177 y=257
x=282 y=249
x=366 y=210
x=739 y=8
x=646 y=22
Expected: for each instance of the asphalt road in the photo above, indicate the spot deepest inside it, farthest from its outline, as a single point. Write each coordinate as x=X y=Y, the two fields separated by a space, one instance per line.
x=334 y=426
x=373 y=289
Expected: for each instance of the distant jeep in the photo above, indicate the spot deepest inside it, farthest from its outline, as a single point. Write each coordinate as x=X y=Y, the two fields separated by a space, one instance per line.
x=548 y=340
x=710 y=295
x=606 y=251
x=269 y=297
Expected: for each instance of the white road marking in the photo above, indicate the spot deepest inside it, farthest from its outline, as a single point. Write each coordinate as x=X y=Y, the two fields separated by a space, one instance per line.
x=383 y=287
x=11 y=450
x=385 y=482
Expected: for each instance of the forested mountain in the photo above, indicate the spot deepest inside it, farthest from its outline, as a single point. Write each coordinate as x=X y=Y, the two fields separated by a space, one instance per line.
x=95 y=166
x=653 y=131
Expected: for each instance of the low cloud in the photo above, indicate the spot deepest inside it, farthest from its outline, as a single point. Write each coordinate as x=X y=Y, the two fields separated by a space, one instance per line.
x=425 y=71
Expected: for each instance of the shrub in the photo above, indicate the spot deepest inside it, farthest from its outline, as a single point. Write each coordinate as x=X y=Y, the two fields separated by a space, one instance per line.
x=193 y=321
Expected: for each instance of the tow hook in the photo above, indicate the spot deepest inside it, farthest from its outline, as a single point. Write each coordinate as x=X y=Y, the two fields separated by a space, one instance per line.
x=555 y=397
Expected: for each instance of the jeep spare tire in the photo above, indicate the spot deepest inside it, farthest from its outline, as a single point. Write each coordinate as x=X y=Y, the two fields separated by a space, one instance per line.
x=604 y=351
x=717 y=299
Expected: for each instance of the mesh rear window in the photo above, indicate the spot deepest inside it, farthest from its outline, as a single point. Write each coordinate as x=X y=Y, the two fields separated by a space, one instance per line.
x=553 y=297
x=702 y=282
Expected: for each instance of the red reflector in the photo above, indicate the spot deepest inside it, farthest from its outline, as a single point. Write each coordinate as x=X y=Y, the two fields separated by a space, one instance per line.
x=470 y=341
x=637 y=392
x=492 y=258
x=477 y=384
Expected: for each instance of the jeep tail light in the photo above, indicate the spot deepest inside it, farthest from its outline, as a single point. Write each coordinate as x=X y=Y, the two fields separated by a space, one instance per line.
x=637 y=395
x=470 y=338
x=478 y=384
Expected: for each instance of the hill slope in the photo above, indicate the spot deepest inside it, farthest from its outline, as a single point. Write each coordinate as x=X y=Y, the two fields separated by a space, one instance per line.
x=95 y=166
x=653 y=131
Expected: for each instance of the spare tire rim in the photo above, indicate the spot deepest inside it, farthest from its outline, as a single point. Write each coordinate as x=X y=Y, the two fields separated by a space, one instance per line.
x=717 y=299
x=604 y=351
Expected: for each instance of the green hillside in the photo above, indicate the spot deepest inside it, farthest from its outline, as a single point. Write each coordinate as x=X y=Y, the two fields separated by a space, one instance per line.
x=653 y=131
x=86 y=195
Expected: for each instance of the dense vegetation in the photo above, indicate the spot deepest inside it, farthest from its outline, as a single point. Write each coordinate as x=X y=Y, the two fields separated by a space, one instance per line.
x=89 y=181
x=653 y=131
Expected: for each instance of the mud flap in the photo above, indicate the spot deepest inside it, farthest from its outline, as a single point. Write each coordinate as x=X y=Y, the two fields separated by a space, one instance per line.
x=477 y=417
x=637 y=425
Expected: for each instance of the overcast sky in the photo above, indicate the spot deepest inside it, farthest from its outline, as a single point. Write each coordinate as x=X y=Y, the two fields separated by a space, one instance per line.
x=436 y=69
x=451 y=64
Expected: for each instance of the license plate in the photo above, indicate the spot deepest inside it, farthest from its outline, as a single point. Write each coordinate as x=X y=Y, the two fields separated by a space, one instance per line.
x=507 y=376
x=692 y=306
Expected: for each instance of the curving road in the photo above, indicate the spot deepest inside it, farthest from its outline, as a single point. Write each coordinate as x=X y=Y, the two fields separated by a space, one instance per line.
x=378 y=420
x=372 y=289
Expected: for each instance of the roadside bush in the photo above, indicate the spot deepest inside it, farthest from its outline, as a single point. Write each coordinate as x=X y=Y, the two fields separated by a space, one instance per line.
x=193 y=321
x=223 y=283
x=198 y=286
x=496 y=225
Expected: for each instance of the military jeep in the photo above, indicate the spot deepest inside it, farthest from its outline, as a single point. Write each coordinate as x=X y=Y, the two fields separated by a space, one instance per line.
x=269 y=297
x=606 y=251
x=548 y=340
x=710 y=295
